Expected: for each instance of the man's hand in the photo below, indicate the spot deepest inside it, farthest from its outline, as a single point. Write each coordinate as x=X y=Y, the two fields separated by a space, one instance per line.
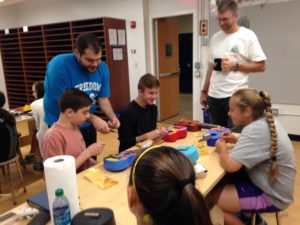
x=95 y=149
x=100 y=124
x=203 y=99
x=227 y=65
x=114 y=123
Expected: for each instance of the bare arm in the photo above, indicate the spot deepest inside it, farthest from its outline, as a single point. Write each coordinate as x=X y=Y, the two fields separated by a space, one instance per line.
x=99 y=124
x=93 y=150
x=227 y=162
x=149 y=135
x=204 y=91
x=245 y=67
x=106 y=107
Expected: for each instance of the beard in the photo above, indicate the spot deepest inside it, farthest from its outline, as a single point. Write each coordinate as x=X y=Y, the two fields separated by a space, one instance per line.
x=90 y=69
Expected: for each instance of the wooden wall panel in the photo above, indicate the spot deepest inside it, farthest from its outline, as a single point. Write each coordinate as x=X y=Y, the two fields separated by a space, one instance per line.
x=25 y=54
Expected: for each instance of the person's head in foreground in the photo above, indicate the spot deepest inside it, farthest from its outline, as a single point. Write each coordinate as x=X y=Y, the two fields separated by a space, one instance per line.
x=162 y=189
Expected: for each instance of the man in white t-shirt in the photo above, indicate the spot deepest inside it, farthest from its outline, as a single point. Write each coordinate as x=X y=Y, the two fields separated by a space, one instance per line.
x=234 y=52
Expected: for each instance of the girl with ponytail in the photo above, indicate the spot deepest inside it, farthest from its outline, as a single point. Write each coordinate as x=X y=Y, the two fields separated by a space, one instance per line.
x=263 y=152
x=162 y=190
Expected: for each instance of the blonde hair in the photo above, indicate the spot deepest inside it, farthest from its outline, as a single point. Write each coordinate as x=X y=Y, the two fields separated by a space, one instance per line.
x=260 y=104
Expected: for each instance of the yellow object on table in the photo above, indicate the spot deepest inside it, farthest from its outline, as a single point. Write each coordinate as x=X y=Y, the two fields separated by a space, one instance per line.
x=202 y=147
x=100 y=180
x=26 y=108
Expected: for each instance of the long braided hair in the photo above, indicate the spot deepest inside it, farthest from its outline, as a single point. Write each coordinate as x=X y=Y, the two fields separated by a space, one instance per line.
x=260 y=103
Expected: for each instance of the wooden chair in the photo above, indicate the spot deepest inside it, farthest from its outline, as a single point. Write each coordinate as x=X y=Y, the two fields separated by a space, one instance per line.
x=20 y=153
x=253 y=217
x=6 y=166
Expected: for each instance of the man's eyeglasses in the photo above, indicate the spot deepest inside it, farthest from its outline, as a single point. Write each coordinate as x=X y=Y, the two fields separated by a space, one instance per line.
x=224 y=19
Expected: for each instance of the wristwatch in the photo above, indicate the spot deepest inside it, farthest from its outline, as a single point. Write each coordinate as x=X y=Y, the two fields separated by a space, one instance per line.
x=237 y=66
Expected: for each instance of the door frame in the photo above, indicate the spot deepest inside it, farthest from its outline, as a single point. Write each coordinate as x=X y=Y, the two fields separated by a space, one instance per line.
x=197 y=113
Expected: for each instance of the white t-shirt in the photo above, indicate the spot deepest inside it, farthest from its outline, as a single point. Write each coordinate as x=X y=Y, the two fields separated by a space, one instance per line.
x=38 y=114
x=240 y=46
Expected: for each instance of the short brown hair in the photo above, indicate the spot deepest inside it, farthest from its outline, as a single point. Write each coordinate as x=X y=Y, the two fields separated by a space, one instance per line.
x=39 y=87
x=75 y=99
x=88 y=40
x=227 y=5
x=148 y=81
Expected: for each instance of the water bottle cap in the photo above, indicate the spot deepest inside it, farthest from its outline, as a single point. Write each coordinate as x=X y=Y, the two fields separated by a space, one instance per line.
x=59 y=192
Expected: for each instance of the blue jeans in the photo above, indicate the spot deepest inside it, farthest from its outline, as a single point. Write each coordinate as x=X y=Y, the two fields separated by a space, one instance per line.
x=218 y=111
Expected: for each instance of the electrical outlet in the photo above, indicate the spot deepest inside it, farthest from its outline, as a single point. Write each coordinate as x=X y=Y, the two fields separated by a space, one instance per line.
x=203 y=27
x=275 y=111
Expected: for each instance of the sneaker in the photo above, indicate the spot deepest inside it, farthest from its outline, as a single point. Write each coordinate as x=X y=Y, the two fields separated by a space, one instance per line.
x=29 y=159
x=246 y=218
x=259 y=220
x=38 y=166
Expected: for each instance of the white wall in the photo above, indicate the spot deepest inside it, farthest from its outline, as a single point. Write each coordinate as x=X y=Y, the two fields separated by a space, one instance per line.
x=37 y=12
x=281 y=45
x=8 y=18
x=185 y=24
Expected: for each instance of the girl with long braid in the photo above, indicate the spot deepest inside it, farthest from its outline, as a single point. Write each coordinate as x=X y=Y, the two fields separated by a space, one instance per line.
x=263 y=152
x=162 y=190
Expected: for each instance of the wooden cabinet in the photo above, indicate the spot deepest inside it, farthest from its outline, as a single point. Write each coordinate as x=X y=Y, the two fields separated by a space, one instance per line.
x=25 y=55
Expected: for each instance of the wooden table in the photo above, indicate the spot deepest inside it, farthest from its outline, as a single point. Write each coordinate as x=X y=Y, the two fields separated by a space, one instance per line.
x=115 y=197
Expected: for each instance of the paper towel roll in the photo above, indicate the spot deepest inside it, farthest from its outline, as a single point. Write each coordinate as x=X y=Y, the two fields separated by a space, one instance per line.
x=60 y=172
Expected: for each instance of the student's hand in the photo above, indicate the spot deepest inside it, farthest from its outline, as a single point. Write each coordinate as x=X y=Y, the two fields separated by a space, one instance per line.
x=153 y=134
x=100 y=125
x=114 y=123
x=95 y=149
x=220 y=146
x=228 y=137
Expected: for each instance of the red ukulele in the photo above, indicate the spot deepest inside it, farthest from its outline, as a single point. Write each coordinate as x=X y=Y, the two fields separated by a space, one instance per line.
x=193 y=125
x=174 y=133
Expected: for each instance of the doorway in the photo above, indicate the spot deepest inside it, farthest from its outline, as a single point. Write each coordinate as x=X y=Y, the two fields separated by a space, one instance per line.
x=174 y=66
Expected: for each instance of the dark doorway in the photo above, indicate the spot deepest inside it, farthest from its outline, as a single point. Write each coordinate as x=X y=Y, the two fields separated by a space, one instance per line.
x=186 y=62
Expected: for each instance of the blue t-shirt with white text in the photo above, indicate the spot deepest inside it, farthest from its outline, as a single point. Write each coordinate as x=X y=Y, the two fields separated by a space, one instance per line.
x=64 y=72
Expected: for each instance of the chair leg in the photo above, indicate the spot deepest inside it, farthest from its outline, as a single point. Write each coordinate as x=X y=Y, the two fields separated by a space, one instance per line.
x=21 y=158
x=278 y=218
x=253 y=218
x=3 y=170
x=21 y=176
x=11 y=185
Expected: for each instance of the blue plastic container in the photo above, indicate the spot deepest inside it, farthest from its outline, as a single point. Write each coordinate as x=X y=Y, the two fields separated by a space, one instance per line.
x=190 y=151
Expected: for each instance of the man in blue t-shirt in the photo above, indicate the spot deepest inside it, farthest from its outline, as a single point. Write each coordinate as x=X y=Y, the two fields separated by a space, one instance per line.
x=84 y=70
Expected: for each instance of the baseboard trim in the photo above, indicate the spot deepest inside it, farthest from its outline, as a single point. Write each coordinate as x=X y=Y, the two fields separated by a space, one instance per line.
x=294 y=137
